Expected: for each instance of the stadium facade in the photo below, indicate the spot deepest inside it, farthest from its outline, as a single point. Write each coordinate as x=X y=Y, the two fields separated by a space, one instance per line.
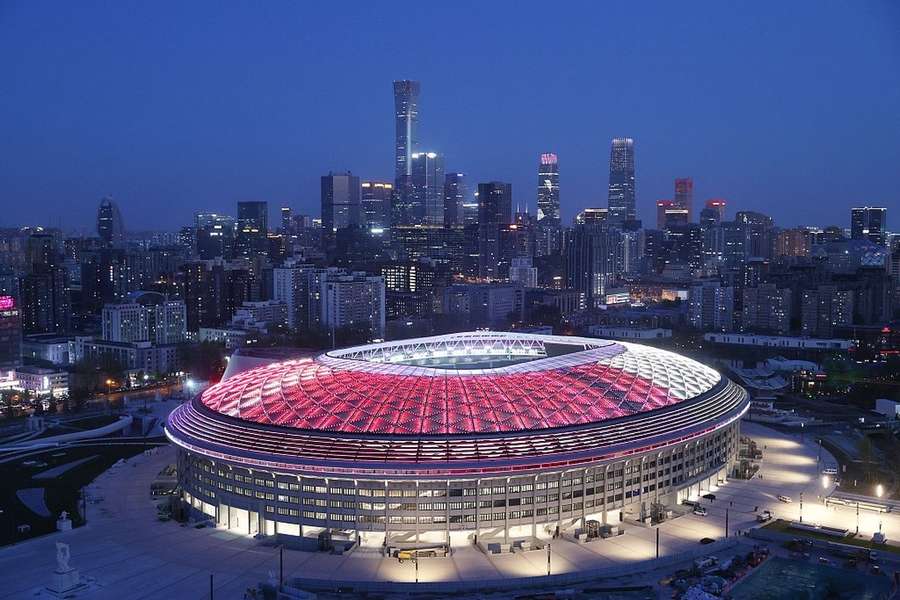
x=437 y=440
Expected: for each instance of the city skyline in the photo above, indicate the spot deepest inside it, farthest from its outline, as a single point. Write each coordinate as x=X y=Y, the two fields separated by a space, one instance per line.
x=266 y=146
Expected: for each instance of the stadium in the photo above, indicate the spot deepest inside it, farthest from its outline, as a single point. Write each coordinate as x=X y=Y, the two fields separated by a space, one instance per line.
x=434 y=441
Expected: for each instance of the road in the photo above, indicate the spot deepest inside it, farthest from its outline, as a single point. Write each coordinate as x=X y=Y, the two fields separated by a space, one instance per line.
x=132 y=555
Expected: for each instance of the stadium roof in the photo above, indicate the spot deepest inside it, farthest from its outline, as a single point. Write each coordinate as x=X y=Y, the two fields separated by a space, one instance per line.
x=375 y=390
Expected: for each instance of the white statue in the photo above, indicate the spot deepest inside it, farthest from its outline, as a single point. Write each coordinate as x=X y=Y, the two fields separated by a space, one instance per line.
x=62 y=557
x=63 y=516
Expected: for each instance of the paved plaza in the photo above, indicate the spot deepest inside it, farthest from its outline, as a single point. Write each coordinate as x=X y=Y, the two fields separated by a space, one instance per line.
x=130 y=554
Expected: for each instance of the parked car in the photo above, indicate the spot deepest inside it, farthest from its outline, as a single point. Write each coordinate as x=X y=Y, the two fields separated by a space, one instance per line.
x=787 y=499
x=699 y=511
x=709 y=496
x=764 y=516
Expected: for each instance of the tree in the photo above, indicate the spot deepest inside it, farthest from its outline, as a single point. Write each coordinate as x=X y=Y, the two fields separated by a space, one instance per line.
x=205 y=360
x=866 y=452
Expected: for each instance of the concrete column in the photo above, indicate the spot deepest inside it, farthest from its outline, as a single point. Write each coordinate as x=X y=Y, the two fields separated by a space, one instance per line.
x=534 y=506
x=506 y=514
x=387 y=519
x=559 y=494
x=447 y=512
x=584 y=498
x=605 y=479
x=356 y=509
x=477 y=507
x=416 y=512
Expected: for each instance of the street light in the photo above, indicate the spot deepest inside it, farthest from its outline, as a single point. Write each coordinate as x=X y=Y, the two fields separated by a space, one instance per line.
x=879 y=490
x=109 y=384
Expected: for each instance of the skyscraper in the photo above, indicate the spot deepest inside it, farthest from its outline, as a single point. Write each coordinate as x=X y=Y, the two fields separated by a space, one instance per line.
x=713 y=213
x=427 y=179
x=868 y=222
x=286 y=224
x=454 y=199
x=494 y=210
x=406 y=119
x=662 y=206
x=684 y=195
x=215 y=235
x=340 y=204
x=10 y=335
x=109 y=222
x=621 y=181
x=595 y=259
x=376 y=204
x=252 y=227
x=548 y=190
x=406 y=111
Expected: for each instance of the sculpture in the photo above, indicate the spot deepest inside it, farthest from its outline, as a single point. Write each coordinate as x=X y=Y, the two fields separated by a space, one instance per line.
x=62 y=557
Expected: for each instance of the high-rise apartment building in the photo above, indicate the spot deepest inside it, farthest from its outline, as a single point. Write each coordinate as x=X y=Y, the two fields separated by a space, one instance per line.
x=824 y=308
x=711 y=306
x=621 y=181
x=767 y=309
x=291 y=286
x=494 y=211
x=427 y=185
x=110 y=228
x=684 y=195
x=455 y=192
x=145 y=317
x=354 y=299
x=252 y=227
x=793 y=242
x=868 y=222
x=548 y=190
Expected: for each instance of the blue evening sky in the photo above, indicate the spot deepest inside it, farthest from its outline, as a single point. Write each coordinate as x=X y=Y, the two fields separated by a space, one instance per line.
x=790 y=108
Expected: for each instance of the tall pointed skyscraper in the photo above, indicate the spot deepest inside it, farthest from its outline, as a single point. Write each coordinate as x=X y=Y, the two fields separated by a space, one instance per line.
x=621 y=181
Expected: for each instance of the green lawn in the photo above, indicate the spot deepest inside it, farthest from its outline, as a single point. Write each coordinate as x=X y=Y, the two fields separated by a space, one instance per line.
x=782 y=526
x=61 y=493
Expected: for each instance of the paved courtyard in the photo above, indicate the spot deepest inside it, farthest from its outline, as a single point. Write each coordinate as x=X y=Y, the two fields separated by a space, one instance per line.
x=132 y=555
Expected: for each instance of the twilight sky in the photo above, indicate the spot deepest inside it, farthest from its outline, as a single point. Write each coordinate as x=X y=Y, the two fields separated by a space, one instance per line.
x=790 y=108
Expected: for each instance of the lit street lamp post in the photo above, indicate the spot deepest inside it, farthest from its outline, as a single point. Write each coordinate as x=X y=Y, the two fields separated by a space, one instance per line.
x=801 y=507
x=109 y=384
